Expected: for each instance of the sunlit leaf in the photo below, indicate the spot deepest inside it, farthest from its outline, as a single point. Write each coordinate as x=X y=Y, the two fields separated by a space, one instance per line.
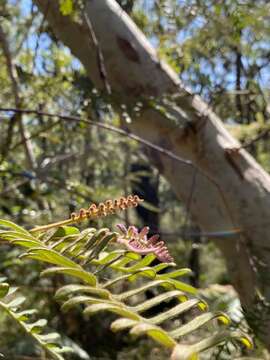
x=196 y=324
x=74 y=288
x=50 y=256
x=154 y=332
x=75 y=272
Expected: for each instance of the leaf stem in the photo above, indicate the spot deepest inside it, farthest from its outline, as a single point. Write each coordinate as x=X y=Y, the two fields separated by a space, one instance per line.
x=44 y=228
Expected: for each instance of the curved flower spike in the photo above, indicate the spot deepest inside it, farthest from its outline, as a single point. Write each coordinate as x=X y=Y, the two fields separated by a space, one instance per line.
x=138 y=242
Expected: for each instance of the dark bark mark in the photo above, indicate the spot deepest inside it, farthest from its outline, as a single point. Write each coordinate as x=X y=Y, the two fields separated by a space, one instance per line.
x=230 y=155
x=238 y=100
x=128 y=49
x=156 y=160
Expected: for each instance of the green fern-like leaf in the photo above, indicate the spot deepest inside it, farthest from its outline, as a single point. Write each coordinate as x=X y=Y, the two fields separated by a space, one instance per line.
x=69 y=251
x=11 y=303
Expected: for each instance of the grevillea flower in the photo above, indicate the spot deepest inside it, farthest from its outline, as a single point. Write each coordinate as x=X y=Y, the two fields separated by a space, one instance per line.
x=138 y=242
x=106 y=208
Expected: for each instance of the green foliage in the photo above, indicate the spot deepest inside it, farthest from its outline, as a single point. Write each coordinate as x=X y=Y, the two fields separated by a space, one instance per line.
x=78 y=163
x=218 y=48
x=10 y=302
x=69 y=250
x=66 y=7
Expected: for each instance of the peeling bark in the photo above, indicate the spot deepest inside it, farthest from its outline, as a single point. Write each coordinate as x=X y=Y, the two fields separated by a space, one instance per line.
x=238 y=196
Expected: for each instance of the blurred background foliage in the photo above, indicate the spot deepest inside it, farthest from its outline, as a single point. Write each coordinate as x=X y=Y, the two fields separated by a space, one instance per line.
x=220 y=49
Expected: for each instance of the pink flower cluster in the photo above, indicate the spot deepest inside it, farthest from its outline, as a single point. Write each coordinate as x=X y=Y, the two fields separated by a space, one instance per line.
x=138 y=242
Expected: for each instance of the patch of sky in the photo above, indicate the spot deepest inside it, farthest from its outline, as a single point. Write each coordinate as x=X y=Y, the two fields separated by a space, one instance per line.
x=25 y=6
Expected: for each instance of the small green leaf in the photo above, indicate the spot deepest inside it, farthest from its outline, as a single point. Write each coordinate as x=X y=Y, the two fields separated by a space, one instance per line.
x=142 y=263
x=16 y=302
x=175 y=311
x=75 y=288
x=116 y=280
x=117 y=309
x=75 y=244
x=4 y=288
x=141 y=289
x=10 y=234
x=36 y=327
x=159 y=299
x=76 y=272
x=12 y=290
x=224 y=319
x=146 y=271
x=11 y=225
x=214 y=340
x=25 y=314
x=123 y=324
x=65 y=230
x=50 y=337
x=246 y=341
x=105 y=258
x=25 y=243
x=176 y=273
x=94 y=239
x=33 y=329
x=196 y=324
x=50 y=256
x=178 y=285
x=100 y=245
x=66 y=7
x=157 y=268
x=154 y=332
x=83 y=299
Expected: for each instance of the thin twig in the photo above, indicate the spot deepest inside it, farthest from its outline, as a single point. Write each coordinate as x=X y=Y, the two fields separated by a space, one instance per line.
x=36 y=134
x=100 y=58
x=250 y=142
x=132 y=136
x=103 y=126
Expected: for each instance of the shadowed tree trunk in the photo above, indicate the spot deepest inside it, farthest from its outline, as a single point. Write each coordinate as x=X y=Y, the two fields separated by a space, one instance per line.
x=147 y=188
x=233 y=193
x=194 y=257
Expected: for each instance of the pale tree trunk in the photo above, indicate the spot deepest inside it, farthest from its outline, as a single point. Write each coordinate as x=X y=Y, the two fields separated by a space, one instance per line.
x=231 y=190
